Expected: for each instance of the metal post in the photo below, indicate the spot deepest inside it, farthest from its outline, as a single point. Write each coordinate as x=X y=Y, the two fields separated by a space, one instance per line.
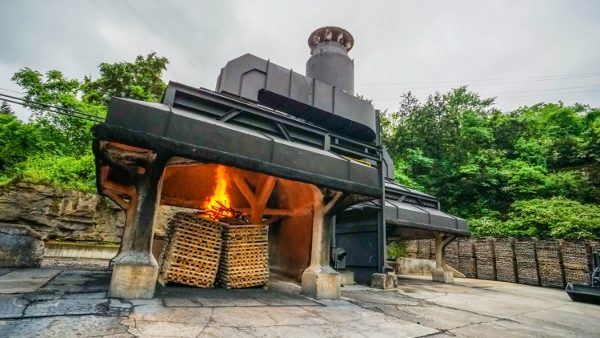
x=381 y=228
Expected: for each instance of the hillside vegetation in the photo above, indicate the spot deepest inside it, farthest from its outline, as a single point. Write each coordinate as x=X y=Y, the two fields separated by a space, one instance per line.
x=530 y=172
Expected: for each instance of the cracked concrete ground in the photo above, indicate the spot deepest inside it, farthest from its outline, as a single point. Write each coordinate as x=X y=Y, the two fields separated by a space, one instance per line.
x=68 y=303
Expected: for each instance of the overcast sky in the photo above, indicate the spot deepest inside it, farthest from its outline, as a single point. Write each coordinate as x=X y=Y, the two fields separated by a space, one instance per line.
x=522 y=52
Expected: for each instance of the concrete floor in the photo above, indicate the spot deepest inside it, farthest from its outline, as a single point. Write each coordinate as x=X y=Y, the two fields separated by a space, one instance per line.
x=65 y=303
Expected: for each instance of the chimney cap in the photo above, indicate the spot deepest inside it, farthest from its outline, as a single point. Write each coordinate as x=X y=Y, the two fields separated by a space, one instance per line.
x=331 y=33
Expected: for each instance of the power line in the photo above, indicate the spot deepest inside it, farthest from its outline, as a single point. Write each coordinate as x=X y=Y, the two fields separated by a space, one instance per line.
x=183 y=44
x=50 y=108
x=114 y=20
x=149 y=24
x=508 y=80
x=593 y=87
x=136 y=40
x=12 y=91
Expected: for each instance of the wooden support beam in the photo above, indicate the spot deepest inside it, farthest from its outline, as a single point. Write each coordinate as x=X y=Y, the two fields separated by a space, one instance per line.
x=242 y=185
x=258 y=209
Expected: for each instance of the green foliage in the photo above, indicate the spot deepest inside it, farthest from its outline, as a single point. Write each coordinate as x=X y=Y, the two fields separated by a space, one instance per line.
x=555 y=217
x=60 y=171
x=6 y=109
x=484 y=164
x=56 y=148
x=396 y=249
x=139 y=80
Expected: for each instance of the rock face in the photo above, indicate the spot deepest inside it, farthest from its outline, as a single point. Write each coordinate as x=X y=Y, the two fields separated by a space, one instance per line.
x=20 y=246
x=62 y=214
x=70 y=215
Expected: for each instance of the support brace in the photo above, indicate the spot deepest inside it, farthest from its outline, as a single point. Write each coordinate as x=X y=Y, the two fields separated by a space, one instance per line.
x=135 y=269
x=320 y=280
x=441 y=273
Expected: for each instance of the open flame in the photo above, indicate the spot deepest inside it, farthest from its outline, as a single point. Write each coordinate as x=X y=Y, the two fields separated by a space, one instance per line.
x=218 y=205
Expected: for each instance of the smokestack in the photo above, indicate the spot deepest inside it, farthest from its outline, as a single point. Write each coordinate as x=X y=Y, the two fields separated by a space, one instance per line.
x=329 y=61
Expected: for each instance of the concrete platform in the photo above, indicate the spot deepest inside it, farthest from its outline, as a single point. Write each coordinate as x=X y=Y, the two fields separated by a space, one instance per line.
x=73 y=302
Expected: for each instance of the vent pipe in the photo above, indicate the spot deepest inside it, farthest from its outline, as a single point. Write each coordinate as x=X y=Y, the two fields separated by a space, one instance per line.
x=329 y=61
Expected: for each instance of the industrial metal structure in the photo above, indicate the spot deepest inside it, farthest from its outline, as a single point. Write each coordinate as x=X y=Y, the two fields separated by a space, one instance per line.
x=298 y=150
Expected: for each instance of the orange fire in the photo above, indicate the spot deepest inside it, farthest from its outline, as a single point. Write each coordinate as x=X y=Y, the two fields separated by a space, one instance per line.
x=217 y=206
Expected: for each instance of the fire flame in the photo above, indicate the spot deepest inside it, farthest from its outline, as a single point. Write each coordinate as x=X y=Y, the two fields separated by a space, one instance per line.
x=218 y=205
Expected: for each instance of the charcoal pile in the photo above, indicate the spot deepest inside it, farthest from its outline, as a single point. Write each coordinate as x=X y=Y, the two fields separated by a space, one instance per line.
x=191 y=252
x=451 y=254
x=424 y=249
x=467 y=263
x=505 y=260
x=575 y=257
x=484 y=251
x=526 y=261
x=548 y=256
x=245 y=256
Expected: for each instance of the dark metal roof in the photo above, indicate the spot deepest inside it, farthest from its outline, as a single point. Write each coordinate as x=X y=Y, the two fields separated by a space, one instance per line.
x=260 y=80
x=207 y=126
x=411 y=214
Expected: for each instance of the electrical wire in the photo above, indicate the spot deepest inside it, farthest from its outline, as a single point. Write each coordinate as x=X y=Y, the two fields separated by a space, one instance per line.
x=149 y=24
x=50 y=108
x=183 y=43
x=507 y=80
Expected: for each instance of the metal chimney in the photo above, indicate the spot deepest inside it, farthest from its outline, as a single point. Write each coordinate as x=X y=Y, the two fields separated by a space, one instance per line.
x=329 y=61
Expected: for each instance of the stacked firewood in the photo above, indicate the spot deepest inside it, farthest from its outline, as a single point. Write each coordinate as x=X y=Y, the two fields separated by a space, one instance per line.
x=484 y=250
x=245 y=256
x=548 y=256
x=526 y=261
x=199 y=248
x=412 y=249
x=191 y=252
x=467 y=263
x=424 y=249
x=505 y=260
x=575 y=257
x=451 y=254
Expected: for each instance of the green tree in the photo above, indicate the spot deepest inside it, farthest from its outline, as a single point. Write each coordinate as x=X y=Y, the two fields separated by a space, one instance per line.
x=56 y=148
x=5 y=108
x=140 y=80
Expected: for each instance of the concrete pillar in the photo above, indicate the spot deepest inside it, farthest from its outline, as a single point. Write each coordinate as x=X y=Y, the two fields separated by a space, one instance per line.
x=135 y=269
x=441 y=273
x=320 y=280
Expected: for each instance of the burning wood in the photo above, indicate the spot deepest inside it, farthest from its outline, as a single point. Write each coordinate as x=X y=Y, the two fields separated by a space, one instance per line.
x=225 y=214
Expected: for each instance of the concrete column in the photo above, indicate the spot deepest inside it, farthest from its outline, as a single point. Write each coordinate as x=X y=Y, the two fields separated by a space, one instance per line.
x=441 y=273
x=320 y=280
x=135 y=269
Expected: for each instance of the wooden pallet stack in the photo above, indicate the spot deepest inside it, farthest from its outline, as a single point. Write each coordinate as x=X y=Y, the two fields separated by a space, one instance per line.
x=451 y=254
x=506 y=269
x=431 y=249
x=548 y=256
x=575 y=257
x=191 y=252
x=424 y=249
x=245 y=256
x=412 y=248
x=484 y=250
x=526 y=261
x=467 y=263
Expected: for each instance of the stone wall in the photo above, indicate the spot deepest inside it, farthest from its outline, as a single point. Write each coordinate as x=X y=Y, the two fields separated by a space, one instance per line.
x=67 y=215
x=548 y=262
